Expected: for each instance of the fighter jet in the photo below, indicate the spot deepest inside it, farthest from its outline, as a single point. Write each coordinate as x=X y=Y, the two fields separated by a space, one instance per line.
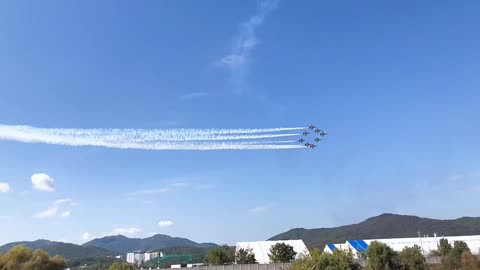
x=322 y=133
x=317 y=139
x=317 y=130
x=301 y=140
x=307 y=144
x=305 y=133
x=311 y=127
x=312 y=145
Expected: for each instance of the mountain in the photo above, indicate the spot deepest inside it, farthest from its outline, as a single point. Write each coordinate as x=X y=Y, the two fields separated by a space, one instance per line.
x=383 y=226
x=66 y=250
x=122 y=244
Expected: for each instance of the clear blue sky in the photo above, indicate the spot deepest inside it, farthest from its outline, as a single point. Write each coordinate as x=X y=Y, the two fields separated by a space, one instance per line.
x=396 y=85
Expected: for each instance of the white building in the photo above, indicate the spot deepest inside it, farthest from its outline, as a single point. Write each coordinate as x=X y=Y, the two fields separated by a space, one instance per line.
x=427 y=244
x=135 y=257
x=152 y=255
x=261 y=249
x=139 y=256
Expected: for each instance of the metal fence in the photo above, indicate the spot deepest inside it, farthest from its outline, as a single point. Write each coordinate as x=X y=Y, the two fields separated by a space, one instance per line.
x=272 y=266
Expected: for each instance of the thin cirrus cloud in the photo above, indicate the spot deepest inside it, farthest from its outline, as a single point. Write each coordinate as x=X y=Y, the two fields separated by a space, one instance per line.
x=244 y=42
x=42 y=182
x=129 y=232
x=59 y=208
x=149 y=191
x=260 y=209
x=4 y=187
x=165 y=223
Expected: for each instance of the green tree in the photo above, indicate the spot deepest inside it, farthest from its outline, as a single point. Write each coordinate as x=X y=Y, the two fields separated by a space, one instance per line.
x=411 y=258
x=121 y=266
x=221 y=255
x=454 y=258
x=469 y=261
x=282 y=253
x=23 y=258
x=339 y=260
x=380 y=256
x=245 y=256
x=444 y=247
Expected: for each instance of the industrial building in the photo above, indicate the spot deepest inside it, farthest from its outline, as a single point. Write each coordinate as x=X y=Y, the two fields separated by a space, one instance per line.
x=261 y=249
x=427 y=244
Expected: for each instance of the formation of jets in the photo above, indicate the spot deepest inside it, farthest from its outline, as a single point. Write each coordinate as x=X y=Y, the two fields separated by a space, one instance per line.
x=318 y=131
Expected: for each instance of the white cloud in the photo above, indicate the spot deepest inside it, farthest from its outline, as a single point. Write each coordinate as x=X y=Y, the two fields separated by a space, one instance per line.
x=260 y=208
x=59 y=208
x=149 y=191
x=42 y=182
x=165 y=223
x=62 y=201
x=52 y=211
x=194 y=95
x=244 y=43
x=86 y=236
x=127 y=231
x=180 y=184
x=4 y=187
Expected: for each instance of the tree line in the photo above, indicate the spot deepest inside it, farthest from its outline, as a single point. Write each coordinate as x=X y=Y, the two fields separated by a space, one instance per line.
x=22 y=258
x=378 y=256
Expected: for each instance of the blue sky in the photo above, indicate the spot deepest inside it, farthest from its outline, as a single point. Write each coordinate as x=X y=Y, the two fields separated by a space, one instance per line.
x=394 y=83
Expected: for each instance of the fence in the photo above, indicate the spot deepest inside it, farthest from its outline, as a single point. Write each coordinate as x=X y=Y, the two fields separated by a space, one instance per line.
x=272 y=266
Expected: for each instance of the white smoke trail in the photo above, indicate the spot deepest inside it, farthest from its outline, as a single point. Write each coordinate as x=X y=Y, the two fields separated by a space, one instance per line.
x=155 y=139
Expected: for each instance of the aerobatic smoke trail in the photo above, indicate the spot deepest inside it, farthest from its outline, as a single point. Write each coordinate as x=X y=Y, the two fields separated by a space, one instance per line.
x=156 y=139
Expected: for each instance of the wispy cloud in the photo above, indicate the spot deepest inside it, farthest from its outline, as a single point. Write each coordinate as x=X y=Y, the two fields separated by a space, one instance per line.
x=260 y=209
x=244 y=43
x=165 y=223
x=465 y=176
x=158 y=190
x=149 y=191
x=152 y=139
x=130 y=232
x=4 y=187
x=42 y=182
x=470 y=189
x=59 y=208
x=180 y=184
x=194 y=95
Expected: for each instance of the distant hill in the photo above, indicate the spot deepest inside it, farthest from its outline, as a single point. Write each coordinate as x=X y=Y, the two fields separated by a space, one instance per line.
x=66 y=250
x=383 y=226
x=122 y=244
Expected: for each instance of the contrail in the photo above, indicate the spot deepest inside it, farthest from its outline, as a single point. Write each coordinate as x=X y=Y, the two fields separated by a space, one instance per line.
x=156 y=139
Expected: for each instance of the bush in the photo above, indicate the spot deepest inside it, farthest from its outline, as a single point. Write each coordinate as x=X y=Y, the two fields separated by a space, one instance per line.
x=282 y=253
x=121 y=266
x=453 y=260
x=411 y=258
x=221 y=255
x=245 y=256
x=380 y=257
x=24 y=258
x=469 y=261
x=339 y=260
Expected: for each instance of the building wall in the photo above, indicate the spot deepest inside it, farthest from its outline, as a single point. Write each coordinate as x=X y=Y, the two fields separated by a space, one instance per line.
x=428 y=244
x=261 y=249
